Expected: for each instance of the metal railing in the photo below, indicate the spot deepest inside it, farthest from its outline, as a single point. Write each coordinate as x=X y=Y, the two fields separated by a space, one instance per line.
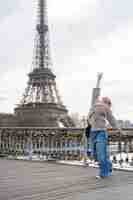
x=58 y=143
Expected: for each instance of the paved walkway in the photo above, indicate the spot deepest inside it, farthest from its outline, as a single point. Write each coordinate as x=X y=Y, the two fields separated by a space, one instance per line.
x=25 y=180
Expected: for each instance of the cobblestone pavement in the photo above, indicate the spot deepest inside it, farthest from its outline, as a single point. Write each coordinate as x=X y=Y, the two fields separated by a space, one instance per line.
x=27 y=180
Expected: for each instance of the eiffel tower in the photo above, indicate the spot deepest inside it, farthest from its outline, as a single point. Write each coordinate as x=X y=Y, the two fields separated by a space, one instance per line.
x=41 y=104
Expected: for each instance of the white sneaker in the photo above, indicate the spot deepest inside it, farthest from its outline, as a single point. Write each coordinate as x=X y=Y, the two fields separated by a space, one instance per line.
x=99 y=177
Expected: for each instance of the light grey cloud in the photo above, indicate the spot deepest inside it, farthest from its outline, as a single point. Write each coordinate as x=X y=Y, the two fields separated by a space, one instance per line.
x=112 y=15
x=70 y=41
x=16 y=38
x=8 y=7
x=2 y=98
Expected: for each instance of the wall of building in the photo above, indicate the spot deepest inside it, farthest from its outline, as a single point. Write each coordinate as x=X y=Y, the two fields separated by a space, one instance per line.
x=7 y=120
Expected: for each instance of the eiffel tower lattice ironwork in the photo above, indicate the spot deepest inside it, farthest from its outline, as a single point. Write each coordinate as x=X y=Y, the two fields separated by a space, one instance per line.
x=41 y=104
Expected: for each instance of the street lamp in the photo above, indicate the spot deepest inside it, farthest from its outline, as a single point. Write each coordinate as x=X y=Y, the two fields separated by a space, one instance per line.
x=84 y=142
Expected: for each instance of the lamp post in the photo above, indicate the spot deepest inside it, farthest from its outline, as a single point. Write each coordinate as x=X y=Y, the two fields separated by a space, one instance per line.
x=84 y=142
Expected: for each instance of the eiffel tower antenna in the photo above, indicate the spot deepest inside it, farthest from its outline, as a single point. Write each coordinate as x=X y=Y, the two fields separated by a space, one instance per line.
x=42 y=55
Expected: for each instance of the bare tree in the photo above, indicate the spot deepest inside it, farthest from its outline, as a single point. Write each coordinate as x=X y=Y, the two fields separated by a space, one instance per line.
x=77 y=119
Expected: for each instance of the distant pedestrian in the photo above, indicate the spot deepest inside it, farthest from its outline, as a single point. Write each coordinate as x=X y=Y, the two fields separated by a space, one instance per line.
x=121 y=161
x=127 y=160
x=99 y=116
x=114 y=160
x=87 y=132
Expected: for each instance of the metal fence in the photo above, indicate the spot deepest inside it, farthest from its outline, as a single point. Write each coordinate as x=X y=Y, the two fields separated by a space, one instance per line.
x=58 y=143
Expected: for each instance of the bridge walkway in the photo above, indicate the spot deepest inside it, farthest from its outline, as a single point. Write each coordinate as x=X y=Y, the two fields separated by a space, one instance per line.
x=30 y=180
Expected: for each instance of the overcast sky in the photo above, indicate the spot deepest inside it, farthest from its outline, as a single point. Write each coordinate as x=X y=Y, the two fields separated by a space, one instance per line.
x=86 y=37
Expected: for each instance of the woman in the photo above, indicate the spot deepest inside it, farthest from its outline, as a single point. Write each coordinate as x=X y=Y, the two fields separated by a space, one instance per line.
x=98 y=117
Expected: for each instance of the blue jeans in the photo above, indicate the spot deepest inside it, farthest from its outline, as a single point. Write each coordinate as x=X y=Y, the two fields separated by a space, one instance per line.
x=98 y=146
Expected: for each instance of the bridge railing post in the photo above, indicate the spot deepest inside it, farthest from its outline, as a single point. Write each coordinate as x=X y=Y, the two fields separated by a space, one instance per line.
x=84 y=139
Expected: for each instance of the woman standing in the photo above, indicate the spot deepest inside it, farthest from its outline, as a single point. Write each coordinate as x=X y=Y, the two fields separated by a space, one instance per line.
x=98 y=117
